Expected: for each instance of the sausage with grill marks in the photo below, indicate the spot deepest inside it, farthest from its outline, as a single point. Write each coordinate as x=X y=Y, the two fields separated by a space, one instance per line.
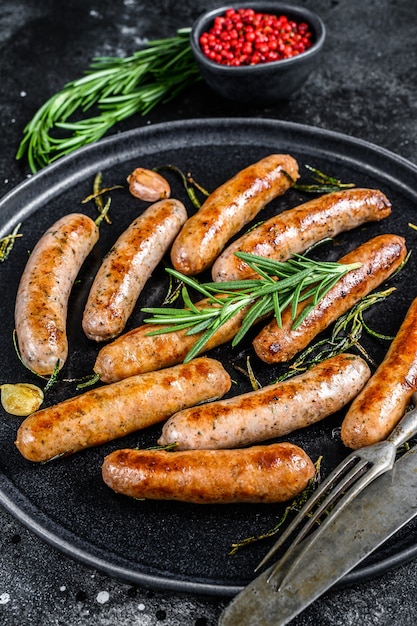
x=382 y=403
x=260 y=474
x=112 y=411
x=127 y=267
x=379 y=258
x=44 y=289
x=228 y=209
x=295 y=230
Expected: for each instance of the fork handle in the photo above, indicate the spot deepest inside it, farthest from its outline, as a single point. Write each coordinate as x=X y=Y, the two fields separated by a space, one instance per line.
x=406 y=428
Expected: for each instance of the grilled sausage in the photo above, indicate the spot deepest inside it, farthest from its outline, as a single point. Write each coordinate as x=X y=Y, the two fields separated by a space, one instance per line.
x=136 y=351
x=44 y=288
x=260 y=474
x=379 y=257
x=112 y=411
x=297 y=229
x=382 y=403
x=127 y=267
x=228 y=209
x=272 y=411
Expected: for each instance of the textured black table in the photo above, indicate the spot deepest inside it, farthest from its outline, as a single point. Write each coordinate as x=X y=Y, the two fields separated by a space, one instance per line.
x=366 y=87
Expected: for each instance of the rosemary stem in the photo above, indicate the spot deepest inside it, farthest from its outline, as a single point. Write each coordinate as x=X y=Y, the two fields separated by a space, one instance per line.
x=299 y=278
x=119 y=87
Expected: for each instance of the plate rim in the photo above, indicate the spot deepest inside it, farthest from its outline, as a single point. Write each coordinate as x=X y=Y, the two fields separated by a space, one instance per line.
x=12 y=197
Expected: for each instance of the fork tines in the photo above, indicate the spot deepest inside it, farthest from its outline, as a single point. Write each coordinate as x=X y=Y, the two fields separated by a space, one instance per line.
x=330 y=495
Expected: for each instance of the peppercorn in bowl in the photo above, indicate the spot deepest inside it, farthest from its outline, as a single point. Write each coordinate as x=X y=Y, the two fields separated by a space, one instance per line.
x=258 y=52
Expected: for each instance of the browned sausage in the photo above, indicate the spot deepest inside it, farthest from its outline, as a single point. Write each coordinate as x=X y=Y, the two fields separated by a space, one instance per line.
x=112 y=411
x=383 y=401
x=273 y=411
x=379 y=257
x=44 y=289
x=263 y=474
x=297 y=229
x=136 y=352
x=228 y=209
x=127 y=267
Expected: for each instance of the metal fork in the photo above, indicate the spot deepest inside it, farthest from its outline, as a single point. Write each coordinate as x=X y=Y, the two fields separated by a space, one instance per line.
x=344 y=483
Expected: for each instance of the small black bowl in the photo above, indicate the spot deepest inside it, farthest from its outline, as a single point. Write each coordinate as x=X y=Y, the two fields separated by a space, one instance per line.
x=264 y=83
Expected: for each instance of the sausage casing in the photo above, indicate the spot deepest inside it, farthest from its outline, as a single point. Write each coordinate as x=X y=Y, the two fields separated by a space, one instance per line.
x=127 y=267
x=295 y=230
x=112 y=411
x=383 y=401
x=379 y=258
x=44 y=288
x=269 y=412
x=230 y=207
x=136 y=351
x=261 y=474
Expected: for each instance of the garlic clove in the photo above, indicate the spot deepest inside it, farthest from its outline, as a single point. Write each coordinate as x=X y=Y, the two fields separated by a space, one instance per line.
x=21 y=398
x=148 y=185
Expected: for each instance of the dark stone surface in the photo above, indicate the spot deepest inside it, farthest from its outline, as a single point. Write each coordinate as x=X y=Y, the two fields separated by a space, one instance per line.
x=365 y=87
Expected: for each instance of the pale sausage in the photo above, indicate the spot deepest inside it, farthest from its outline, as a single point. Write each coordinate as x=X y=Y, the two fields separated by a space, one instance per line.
x=112 y=411
x=137 y=351
x=269 y=412
x=44 y=288
x=127 y=267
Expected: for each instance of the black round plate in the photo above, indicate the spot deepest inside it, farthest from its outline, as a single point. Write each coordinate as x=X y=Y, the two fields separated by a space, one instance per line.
x=170 y=545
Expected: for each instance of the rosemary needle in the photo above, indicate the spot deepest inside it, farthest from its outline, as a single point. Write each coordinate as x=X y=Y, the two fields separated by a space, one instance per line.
x=280 y=285
x=7 y=242
x=346 y=334
x=119 y=87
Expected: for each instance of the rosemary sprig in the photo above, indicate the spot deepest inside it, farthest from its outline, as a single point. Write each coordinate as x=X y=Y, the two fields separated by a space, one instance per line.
x=248 y=373
x=323 y=182
x=174 y=291
x=7 y=242
x=346 y=334
x=119 y=87
x=103 y=207
x=97 y=196
x=281 y=284
x=190 y=185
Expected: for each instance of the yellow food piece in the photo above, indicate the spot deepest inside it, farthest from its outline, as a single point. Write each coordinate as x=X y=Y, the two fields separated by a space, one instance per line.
x=21 y=398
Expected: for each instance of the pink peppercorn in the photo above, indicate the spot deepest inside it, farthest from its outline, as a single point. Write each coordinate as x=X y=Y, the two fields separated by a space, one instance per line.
x=245 y=37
